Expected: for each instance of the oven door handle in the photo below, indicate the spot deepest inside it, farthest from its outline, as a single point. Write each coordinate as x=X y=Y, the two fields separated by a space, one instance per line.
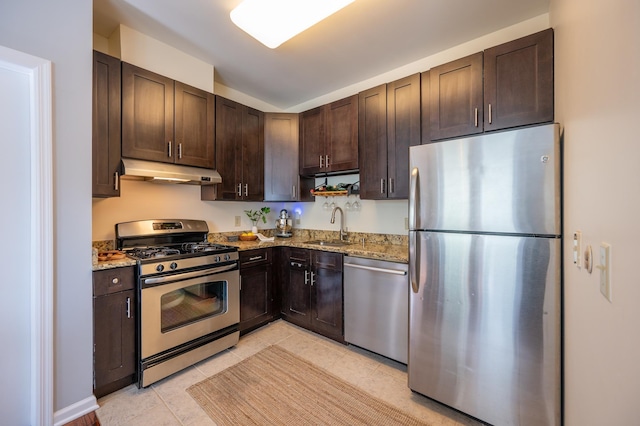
x=187 y=275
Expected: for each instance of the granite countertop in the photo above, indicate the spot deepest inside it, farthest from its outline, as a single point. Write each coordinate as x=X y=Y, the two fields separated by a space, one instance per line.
x=392 y=248
x=380 y=251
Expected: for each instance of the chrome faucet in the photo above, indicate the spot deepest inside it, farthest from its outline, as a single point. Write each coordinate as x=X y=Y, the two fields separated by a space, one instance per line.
x=343 y=233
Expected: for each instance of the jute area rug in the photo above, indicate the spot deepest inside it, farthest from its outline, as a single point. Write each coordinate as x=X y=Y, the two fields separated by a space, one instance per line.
x=276 y=387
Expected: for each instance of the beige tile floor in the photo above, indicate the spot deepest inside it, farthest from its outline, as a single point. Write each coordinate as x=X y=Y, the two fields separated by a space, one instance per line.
x=167 y=403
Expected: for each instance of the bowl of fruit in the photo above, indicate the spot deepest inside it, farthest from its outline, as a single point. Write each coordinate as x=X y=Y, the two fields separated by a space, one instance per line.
x=248 y=236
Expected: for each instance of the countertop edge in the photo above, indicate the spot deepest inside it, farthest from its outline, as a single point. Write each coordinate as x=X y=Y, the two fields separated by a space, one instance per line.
x=389 y=252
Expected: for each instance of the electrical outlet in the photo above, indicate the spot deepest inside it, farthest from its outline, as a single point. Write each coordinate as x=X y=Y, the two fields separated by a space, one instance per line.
x=237 y=221
x=406 y=223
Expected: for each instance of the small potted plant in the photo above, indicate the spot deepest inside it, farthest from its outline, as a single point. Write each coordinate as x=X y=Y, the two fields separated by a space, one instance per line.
x=256 y=215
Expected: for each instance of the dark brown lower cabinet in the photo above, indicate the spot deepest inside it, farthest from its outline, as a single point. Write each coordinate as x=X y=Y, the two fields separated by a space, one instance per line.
x=114 y=330
x=312 y=291
x=256 y=289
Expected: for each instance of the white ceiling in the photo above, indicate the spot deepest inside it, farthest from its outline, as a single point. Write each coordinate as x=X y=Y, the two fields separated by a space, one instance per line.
x=363 y=40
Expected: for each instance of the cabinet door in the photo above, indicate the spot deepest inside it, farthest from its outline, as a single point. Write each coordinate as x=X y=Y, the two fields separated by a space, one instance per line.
x=229 y=148
x=281 y=135
x=312 y=148
x=256 y=295
x=403 y=131
x=114 y=340
x=341 y=137
x=252 y=158
x=372 y=142
x=425 y=107
x=518 y=82
x=326 y=294
x=106 y=125
x=194 y=126
x=456 y=98
x=147 y=115
x=296 y=304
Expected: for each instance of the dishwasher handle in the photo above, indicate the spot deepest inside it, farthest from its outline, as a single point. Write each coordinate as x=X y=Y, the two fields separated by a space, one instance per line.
x=373 y=268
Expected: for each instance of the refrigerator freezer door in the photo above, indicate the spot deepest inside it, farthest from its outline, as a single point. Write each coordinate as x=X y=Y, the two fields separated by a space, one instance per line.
x=484 y=330
x=506 y=182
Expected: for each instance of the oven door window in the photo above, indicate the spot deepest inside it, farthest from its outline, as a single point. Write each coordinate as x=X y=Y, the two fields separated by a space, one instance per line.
x=191 y=304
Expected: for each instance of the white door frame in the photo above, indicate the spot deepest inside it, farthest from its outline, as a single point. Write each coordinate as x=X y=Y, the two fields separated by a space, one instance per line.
x=41 y=227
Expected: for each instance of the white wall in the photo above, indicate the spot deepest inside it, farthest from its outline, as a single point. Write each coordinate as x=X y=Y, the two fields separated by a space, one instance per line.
x=146 y=200
x=61 y=32
x=597 y=80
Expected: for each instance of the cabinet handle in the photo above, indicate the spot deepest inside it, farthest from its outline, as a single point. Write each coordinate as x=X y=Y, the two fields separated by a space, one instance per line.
x=490 y=114
x=293 y=192
x=169 y=151
x=326 y=161
x=306 y=277
x=321 y=161
x=116 y=183
x=180 y=150
x=255 y=258
x=246 y=189
x=312 y=280
x=382 y=186
x=116 y=280
x=391 y=187
x=476 y=117
x=239 y=190
x=128 y=307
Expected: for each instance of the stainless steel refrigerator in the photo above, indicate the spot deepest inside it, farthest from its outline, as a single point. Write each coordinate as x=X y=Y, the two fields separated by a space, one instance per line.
x=485 y=270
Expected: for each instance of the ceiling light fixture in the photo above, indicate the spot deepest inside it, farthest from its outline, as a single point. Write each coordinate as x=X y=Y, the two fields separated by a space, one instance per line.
x=272 y=22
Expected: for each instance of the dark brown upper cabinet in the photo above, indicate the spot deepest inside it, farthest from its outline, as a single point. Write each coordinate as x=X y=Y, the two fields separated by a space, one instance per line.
x=165 y=120
x=106 y=126
x=239 y=151
x=329 y=138
x=506 y=86
x=389 y=123
x=518 y=82
x=282 y=181
x=456 y=98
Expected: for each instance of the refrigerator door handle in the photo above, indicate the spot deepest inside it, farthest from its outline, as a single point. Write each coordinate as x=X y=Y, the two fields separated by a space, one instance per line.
x=414 y=262
x=413 y=199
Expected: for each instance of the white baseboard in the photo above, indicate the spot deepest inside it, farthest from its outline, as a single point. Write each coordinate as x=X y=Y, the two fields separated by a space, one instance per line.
x=75 y=411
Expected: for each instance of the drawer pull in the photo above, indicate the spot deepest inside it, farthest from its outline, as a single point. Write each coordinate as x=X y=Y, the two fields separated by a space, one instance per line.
x=116 y=280
x=255 y=258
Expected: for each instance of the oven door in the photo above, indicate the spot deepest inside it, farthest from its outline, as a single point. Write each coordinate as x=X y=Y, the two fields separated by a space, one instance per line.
x=179 y=308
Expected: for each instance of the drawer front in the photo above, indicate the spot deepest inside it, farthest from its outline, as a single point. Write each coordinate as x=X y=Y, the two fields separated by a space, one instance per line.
x=251 y=258
x=327 y=260
x=113 y=280
x=298 y=258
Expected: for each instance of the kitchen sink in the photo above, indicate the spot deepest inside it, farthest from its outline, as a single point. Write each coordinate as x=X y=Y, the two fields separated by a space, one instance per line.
x=329 y=243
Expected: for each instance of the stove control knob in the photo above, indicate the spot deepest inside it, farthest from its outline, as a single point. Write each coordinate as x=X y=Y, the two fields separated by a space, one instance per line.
x=173 y=265
x=227 y=257
x=216 y=259
x=160 y=268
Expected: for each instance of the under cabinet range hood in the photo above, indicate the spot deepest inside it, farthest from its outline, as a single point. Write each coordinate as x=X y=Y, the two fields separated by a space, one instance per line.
x=168 y=173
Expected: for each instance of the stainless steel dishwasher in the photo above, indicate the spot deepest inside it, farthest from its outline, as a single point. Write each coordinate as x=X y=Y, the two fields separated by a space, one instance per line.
x=376 y=306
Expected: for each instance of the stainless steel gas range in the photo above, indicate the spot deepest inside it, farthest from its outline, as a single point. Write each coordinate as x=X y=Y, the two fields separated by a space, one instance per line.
x=188 y=293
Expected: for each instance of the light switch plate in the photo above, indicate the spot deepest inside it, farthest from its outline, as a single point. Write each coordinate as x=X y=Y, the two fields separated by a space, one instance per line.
x=237 y=222
x=605 y=270
x=577 y=249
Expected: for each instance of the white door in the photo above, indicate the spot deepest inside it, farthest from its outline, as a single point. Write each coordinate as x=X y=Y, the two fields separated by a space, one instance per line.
x=26 y=305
